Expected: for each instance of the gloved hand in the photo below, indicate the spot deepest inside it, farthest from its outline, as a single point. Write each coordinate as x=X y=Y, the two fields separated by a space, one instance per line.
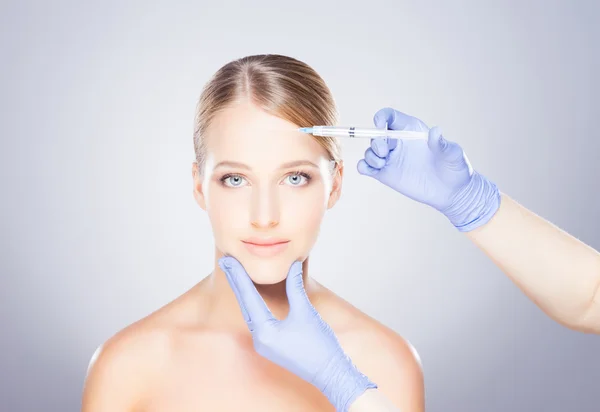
x=302 y=343
x=435 y=172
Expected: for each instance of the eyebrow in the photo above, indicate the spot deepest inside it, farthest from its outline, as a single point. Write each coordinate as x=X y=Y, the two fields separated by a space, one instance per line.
x=283 y=166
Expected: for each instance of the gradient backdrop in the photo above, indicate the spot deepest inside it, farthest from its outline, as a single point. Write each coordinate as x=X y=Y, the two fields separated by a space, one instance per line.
x=99 y=226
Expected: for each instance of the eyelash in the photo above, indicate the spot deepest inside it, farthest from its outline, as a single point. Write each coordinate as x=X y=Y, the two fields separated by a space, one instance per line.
x=306 y=175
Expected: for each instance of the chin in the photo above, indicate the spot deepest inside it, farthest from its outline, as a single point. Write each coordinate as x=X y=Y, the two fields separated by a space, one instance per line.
x=265 y=271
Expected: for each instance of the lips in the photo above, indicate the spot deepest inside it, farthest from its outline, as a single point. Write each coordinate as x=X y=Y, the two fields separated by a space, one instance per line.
x=265 y=241
x=265 y=247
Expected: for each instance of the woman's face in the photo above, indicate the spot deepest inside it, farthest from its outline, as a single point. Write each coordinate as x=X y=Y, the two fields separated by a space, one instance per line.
x=264 y=183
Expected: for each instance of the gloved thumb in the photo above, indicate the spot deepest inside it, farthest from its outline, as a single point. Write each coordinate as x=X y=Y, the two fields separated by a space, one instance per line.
x=444 y=149
x=294 y=286
x=436 y=142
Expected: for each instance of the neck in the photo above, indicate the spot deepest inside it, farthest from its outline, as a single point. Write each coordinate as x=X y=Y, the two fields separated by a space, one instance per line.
x=223 y=308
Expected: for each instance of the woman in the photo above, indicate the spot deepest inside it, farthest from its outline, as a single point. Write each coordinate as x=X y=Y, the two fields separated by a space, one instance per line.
x=266 y=188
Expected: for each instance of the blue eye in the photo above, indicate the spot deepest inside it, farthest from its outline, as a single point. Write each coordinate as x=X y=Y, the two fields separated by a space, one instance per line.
x=299 y=178
x=234 y=180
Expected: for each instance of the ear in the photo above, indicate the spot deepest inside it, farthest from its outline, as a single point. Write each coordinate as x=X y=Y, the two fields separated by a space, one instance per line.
x=197 y=186
x=336 y=187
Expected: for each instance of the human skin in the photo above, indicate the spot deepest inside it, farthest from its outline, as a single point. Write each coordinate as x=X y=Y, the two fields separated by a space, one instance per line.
x=196 y=352
x=261 y=199
x=557 y=271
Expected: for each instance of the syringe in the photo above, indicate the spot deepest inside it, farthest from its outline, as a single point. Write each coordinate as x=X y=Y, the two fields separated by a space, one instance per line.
x=352 y=132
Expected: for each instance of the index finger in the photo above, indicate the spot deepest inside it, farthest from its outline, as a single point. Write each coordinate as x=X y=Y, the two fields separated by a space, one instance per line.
x=397 y=120
x=256 y=310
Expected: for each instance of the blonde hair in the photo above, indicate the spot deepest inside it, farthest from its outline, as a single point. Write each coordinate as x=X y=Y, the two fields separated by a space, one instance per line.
x=279 y=85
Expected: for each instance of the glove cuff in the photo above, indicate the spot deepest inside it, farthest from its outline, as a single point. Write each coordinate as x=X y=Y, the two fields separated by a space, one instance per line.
x=345 y=382
x=474 y=205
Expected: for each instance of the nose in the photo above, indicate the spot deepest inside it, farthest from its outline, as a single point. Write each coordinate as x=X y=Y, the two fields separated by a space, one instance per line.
x=265 y=208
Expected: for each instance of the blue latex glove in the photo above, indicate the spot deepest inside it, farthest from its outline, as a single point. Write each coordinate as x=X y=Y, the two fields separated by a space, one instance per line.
x=302 y=343
x=435 y=172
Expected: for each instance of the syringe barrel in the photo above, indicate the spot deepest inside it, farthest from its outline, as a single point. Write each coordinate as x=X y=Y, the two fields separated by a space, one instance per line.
x=336 y=131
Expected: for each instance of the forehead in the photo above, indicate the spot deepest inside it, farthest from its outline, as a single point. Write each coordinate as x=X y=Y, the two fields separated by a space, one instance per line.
x=245 y=133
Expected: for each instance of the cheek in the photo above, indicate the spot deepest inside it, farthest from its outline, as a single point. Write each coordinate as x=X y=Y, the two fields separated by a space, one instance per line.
x=226 y=211
x=303 y=210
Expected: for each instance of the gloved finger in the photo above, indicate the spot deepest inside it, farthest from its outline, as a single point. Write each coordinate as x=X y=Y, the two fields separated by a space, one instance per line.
x=449 y=151
x=294 y=287
x=392 y=143
x=373 y=160
x=364 y=169
x=435 y=141
x=398 y=121
x=246 y=293
x=236 y=292
x=380 y=147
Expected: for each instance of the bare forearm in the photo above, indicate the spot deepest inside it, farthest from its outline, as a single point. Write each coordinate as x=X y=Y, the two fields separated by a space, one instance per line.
x=558 y=272
x=373 y=401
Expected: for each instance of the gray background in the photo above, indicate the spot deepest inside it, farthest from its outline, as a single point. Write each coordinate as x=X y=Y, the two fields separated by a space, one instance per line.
x=99 y=226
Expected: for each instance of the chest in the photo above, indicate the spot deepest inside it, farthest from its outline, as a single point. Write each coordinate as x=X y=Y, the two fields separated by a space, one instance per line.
x=232 y=379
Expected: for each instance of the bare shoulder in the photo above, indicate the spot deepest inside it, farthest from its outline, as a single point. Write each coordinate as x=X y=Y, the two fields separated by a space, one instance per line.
x=122 y=368
x=125 y=367
x=379 y=352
